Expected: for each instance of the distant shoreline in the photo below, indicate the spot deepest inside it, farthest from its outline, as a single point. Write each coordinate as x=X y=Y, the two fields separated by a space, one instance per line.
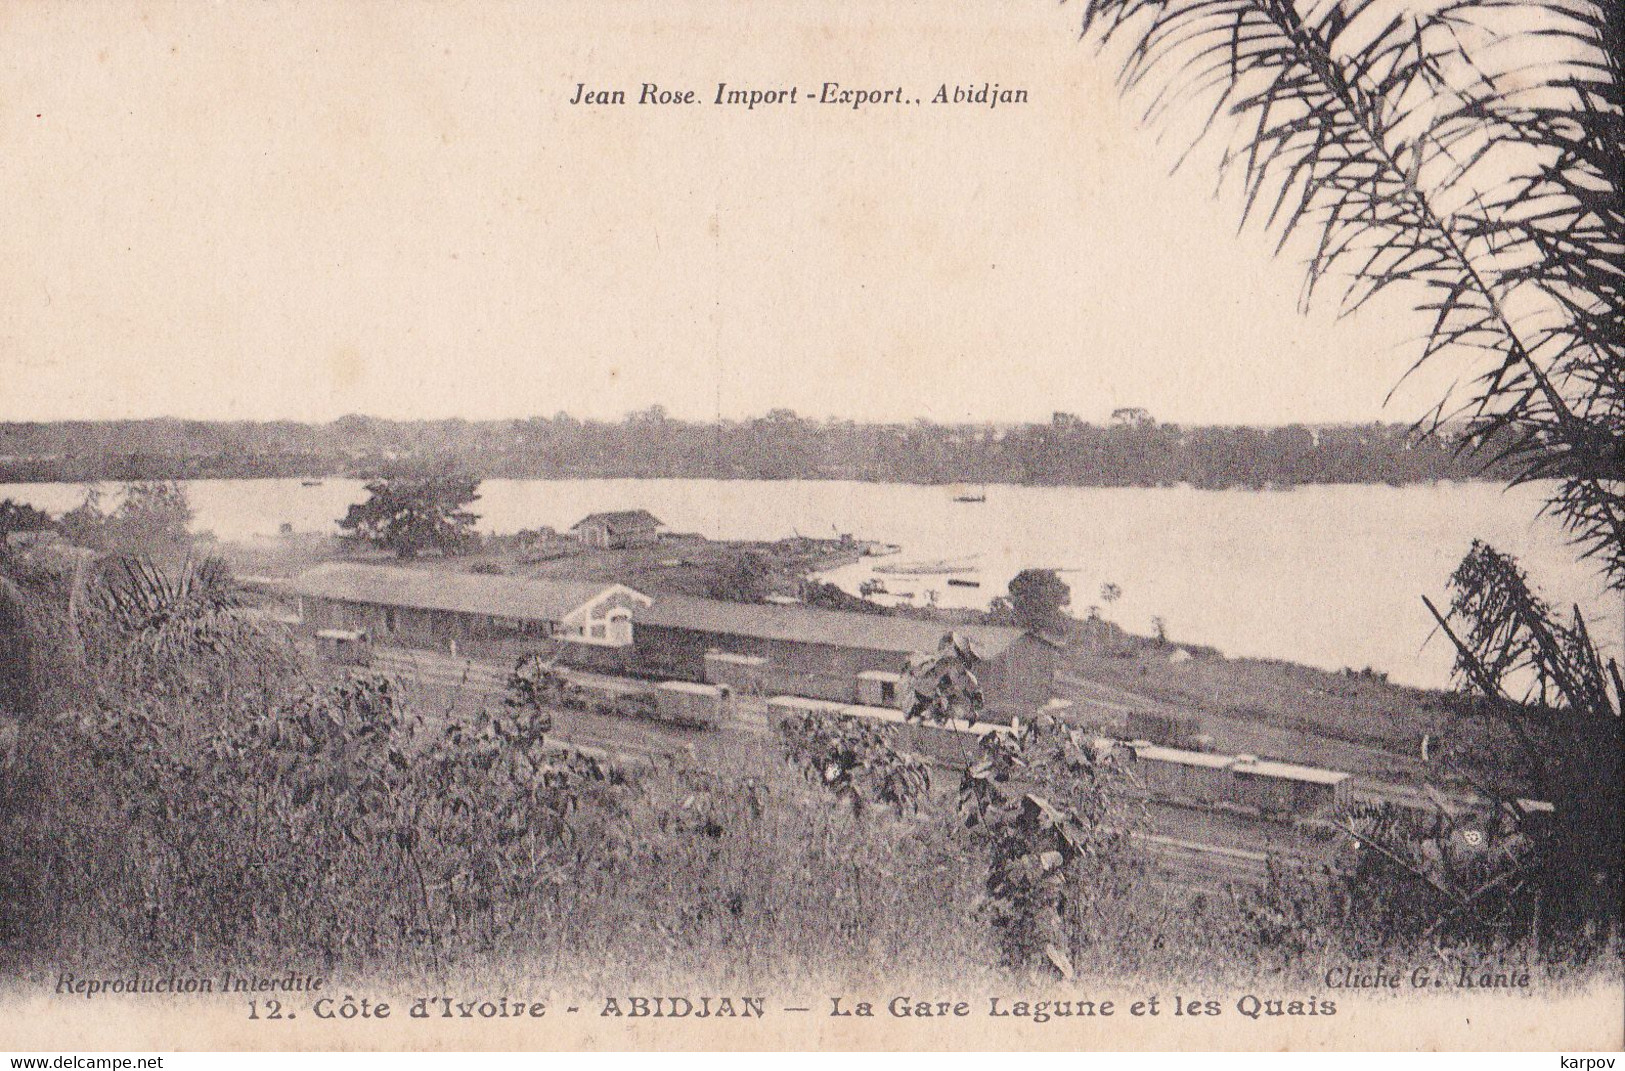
x=1130 y=450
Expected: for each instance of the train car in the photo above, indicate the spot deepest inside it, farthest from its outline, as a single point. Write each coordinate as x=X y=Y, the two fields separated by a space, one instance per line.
x=1277 y=788
x=878 y=688
x=615 y=697
x=1181 y=731
x=783 y=707
x=1361 y=792
x=1168 y=773
x=345 y=647
x=951 y=743
x=744 y=674
x=684 y=704
x=692 y=706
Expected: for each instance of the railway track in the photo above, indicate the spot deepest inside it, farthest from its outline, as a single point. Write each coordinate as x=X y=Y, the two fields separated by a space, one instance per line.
x=1181 y=861
x=1262 y=738
x=1207 y=867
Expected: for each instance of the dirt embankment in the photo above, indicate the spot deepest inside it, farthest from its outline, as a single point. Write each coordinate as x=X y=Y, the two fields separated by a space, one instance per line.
x=1360 y=723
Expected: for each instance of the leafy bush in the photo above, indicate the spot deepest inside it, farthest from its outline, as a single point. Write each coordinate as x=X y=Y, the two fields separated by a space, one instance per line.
x=855 y=761
x=181 y=788
x=1046 y=805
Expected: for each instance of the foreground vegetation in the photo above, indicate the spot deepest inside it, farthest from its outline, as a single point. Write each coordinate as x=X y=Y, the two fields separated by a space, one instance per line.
x=183 y=790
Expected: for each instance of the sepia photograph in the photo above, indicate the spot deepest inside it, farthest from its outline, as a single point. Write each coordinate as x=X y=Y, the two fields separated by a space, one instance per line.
x=820 y=526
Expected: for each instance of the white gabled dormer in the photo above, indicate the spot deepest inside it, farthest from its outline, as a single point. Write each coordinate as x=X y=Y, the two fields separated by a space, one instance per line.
x=606 y=619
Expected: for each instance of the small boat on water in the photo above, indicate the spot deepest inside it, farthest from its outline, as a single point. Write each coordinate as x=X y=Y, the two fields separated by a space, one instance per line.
x=972 y=496
x=961 y=583
x=880 y=550
x=310 y=483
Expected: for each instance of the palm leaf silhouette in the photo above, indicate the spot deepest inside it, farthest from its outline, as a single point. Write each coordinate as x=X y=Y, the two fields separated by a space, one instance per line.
x=1470 y=154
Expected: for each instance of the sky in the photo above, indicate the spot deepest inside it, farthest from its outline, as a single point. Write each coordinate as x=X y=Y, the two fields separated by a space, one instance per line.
x=298 y=211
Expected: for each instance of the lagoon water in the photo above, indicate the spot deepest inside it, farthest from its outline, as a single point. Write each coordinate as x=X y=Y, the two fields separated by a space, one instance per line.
x=1330 y=576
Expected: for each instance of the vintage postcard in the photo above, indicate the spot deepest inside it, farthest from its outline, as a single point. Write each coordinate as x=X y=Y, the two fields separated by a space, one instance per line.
x=817 y=525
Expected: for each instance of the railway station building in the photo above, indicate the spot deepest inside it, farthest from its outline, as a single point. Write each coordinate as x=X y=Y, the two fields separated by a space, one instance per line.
x=767 y=650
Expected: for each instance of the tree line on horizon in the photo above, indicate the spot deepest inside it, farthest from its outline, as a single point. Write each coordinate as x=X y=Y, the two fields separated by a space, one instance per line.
x=1131 y=450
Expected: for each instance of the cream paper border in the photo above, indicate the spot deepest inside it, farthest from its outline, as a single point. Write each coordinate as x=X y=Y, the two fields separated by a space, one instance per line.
x=1571 y=1022
x=691 y=43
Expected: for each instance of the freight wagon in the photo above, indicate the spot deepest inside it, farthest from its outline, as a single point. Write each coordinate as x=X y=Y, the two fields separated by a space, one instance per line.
x=1168 y=773
x=953 y=743
x=692 y=706
x=1182 y=731
x=1281 y=788
x=678 y=703
x=744 y=674
x=1433 y=801
x=1265 y=787
x=344 y=647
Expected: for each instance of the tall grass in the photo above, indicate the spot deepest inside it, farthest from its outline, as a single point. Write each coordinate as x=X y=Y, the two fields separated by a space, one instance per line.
x=298 y=820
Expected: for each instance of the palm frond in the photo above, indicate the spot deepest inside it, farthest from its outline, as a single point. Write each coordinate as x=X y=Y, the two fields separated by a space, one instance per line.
x=139 y=596
x=1546 y=682
x=1469 y=153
